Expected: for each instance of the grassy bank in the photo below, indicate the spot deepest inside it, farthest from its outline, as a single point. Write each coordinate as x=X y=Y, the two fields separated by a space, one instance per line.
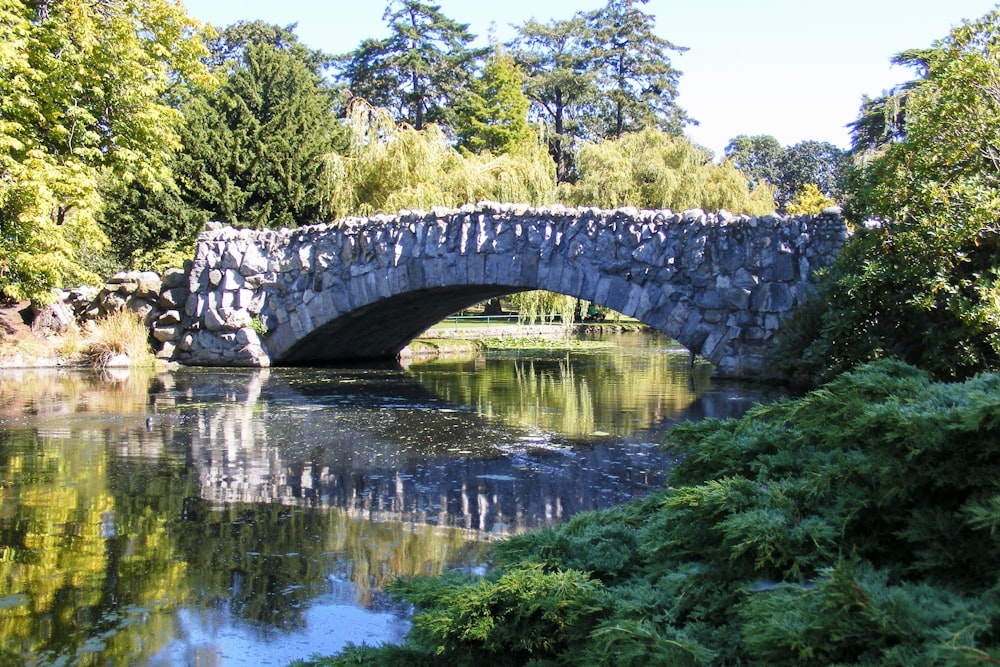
x=858 y=525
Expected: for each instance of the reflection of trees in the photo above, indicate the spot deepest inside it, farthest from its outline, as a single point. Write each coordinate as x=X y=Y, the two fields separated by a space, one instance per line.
x=617 y=391
x=103 y=535
x=77 y=567
x=267 y=561
x=257 y=491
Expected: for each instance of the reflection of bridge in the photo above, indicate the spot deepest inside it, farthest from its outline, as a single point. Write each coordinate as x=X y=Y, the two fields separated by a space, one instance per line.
x=383 y=448
x=720 y=285
x=349 y=445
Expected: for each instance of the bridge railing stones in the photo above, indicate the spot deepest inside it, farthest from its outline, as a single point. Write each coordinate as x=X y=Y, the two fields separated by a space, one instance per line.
x=718 y=283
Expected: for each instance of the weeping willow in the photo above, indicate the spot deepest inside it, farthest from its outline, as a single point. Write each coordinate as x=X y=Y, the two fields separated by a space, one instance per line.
x=539 y=306
x=653 y=169
x=389 y=167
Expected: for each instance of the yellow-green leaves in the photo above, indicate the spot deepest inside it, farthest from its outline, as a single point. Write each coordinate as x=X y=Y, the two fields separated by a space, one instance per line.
x=86 y=103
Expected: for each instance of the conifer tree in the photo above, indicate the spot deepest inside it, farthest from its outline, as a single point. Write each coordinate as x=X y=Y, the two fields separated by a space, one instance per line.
x=632 y=69
x=419 y=70
x=253 y=151
x=559 y=84
x=493 y=115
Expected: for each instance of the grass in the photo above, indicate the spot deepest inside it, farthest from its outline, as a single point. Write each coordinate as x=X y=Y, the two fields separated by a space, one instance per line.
x=120 y=333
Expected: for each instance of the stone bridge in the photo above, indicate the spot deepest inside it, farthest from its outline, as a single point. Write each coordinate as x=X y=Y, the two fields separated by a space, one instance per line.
x=363 y=288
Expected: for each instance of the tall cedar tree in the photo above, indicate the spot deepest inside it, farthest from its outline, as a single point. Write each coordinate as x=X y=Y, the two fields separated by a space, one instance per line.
x=559 y=82
x=599 y=75
x=493 y=115
x=420 y=70
x=632 y=69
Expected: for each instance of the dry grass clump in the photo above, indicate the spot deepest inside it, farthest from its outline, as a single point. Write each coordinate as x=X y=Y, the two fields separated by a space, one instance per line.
x=119 y=333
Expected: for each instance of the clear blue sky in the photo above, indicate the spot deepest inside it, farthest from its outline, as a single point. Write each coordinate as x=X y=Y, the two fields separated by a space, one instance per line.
x=794 y=69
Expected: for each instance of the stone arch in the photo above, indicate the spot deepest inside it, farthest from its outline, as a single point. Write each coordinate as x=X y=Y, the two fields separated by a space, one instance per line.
x=718 y=284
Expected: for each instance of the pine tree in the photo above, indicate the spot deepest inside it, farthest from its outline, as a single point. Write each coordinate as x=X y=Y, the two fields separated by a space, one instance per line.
x=419 y=70
x=559 y=84
x=632 y=69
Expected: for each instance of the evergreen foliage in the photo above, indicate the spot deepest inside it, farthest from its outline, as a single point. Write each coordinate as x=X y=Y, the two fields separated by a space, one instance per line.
x=420 y=70
x=254 y=149
x=599 y=75
x=559 y=84
x=857 y=525
x=637 y=84
x=493 y=114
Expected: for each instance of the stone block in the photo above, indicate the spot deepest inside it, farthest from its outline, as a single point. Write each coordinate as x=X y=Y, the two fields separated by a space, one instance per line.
x=174 y=297
x=168 y=317
x=148 y=285
x=232 y=280
x=170 y=332
x=173 y=278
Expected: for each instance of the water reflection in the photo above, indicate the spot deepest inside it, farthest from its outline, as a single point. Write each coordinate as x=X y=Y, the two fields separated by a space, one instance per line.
x=214 y=517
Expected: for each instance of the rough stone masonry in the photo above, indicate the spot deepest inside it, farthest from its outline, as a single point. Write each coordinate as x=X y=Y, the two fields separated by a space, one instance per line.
x=361 y=288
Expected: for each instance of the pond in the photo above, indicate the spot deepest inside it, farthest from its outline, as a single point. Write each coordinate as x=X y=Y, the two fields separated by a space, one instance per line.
x=251 y=517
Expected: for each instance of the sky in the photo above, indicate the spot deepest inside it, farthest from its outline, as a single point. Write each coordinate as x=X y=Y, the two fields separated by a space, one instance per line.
x=793 y=69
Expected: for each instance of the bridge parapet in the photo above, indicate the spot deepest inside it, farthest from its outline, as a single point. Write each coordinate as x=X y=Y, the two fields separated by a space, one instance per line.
x=719 y=284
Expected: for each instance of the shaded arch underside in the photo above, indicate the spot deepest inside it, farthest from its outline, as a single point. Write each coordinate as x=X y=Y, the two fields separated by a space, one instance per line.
x=381 y=329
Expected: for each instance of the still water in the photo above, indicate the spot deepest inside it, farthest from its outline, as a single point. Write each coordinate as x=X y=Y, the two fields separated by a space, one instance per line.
x=222 y=517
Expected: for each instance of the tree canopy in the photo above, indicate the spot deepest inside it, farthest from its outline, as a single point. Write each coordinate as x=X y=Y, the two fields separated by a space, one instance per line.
x=920 y=280
x=637 y=84
x=86 y=99
x=254 y=149
x=420 y=70
x=655 y=169
x=790 y=170
x=599 y=75
x=493 y=114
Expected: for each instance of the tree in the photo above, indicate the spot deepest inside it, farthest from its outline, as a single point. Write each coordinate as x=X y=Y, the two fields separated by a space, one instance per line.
x=809 y=201
x=655 y=169
x=493 y=115
x=419 y=70
x=86 y=100
x=763 y=160
x=632 y=70
x=811 y=162
x=254 y=149
x=559 y=82
x=388 y=167
x=758 y=157
x=922 y=285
